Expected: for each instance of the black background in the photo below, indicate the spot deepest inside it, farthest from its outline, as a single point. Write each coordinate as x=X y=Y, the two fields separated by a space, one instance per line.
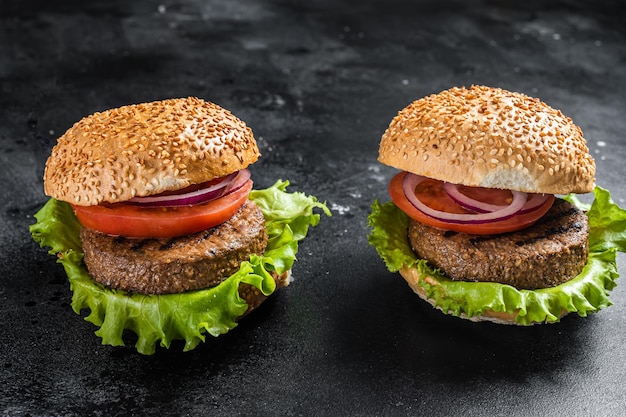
x=318 y=82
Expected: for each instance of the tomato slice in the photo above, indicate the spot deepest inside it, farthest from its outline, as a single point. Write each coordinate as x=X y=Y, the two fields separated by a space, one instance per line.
x=130 y=220
x=433 y=195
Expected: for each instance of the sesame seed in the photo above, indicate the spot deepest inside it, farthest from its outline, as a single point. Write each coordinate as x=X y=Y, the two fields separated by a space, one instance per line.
x=492 y=127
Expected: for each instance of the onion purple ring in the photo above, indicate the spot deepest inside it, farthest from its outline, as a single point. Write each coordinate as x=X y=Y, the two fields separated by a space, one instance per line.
x=467 y=202
x=410 y=181
x=226 y=185
x=533 y=202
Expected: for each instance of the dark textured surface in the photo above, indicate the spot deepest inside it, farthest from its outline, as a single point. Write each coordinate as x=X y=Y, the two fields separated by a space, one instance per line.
x=318 y=82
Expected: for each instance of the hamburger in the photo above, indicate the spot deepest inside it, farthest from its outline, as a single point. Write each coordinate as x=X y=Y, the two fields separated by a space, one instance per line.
x=484 y=222
x=153 y=215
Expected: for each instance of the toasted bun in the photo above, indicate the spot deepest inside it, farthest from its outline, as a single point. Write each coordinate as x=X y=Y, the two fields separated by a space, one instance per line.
x=489 y=137
x=413 y=277
x=253 y=297
x=145 y=149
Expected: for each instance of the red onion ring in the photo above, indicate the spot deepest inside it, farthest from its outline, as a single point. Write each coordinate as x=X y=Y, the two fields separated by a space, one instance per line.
x=467 y=202
x=226 y=185
x=533 y=202
x=410 y=181
x=240 y=179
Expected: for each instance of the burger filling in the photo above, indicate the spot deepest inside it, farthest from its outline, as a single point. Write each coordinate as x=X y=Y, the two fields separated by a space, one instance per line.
x=549 y=253
x=472 y=210
x=170 y=214
x=177 y=264
x=174 y=241
x=529 y=241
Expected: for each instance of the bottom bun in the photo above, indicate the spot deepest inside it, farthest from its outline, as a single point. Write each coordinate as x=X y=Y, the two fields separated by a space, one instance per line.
x=253 y=297
x=413 y=278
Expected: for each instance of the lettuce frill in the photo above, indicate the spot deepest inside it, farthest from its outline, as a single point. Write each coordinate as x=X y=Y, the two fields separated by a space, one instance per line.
x=586 y=293
x=189 y=316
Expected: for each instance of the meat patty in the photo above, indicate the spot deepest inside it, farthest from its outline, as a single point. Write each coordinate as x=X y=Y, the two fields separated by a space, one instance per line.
x=191 y=262
x=549 y=253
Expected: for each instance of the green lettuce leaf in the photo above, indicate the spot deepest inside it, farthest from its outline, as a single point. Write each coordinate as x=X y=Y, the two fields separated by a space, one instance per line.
x=191 y=315
x=586 y=293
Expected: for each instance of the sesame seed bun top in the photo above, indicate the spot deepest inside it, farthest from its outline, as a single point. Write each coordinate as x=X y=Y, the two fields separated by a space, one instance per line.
x=145 y=149
x=489 y=137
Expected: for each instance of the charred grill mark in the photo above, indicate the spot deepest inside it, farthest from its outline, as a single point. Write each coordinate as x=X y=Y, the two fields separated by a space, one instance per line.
x=133 y=244
x=479 y=239
x=556 y=216
x=550 y=232
x=207 y=234
x=553 y=217
x=139 y=245
x=167 y=245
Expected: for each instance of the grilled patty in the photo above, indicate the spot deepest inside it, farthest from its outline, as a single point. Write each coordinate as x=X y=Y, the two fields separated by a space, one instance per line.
x=162 y=266
x=549 y=253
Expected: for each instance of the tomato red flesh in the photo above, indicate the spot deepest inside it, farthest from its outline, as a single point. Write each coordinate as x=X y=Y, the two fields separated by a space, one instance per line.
x=130 y=220
x=488 y=195
x=431 y=193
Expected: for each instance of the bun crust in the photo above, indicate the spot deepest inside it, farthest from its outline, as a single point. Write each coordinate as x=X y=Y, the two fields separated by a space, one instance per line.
x=253 y=297
x=489 y=137
x=413 y=277
x=145 y=149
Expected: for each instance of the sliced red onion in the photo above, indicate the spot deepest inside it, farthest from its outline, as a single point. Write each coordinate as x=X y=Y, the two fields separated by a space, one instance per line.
x=242 y=177
x=534 y=202
x=467 y=202
x=410 y=181
x=226 y=185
